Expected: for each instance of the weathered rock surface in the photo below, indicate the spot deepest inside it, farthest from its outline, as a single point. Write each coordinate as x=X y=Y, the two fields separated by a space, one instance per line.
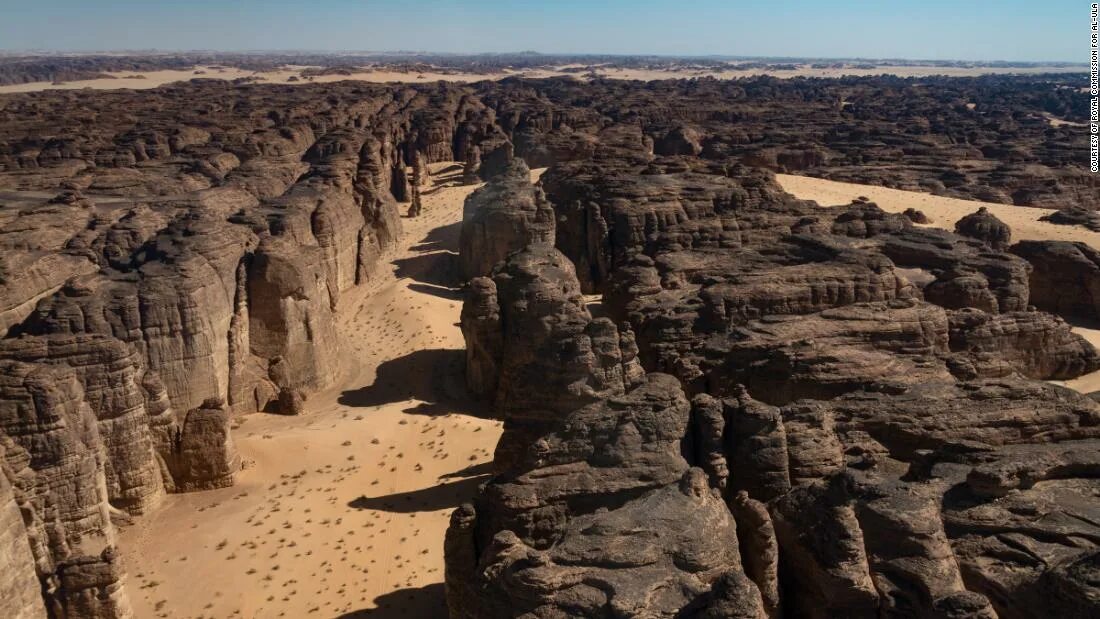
x=506 y=215
x=53 y=457
x=187 y=268
x=1075 y=216
x=593 y=510
x=19 y=589
x=1066 y=277
x=985 y=227
x=862 y=387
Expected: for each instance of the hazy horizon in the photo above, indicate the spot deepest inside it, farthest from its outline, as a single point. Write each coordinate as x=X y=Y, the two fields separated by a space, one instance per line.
x=938 y=30
x=474 y=54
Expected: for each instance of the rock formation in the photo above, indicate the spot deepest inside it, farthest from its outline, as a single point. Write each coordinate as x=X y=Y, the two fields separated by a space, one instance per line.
x=984 y=226
x=862 y=390
x=504 y=216
x=169 y=296
x=779 y=409
x=54 y=461
x=585 y=429
x=1065 y=278
x=471 y=165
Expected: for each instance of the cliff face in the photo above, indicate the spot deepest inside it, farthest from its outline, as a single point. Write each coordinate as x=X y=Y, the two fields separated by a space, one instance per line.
x=19 y=588
x=54 y=458
x=592 y=506
x=504 y=216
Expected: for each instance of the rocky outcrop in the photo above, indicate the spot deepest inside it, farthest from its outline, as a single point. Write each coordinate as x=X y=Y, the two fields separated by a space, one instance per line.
x=471 y=165
x=593 y=510
x=202 y=283
x=1065 y=279
x=844 y=402
x=1034 y=344
x=291 y=327
x=857 y=383
x=643 y=559
x=111 y=377
x=985 y=227
x=956 y=273
x=504 y=216
x=1028 y=566
x=541 y=319
x=1074 y=216
x=203 y=455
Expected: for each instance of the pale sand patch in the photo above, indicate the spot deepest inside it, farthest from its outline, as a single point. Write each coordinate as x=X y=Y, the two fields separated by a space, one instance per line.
x=153 y=79
x=944 y=212
x=324 y=517
x=1058 y=122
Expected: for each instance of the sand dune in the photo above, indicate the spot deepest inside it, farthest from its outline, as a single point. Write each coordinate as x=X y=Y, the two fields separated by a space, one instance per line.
x=944 y=212
x=341 y=510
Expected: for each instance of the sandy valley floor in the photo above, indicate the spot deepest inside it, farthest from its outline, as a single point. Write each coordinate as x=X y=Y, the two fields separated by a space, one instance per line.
x=340 y=512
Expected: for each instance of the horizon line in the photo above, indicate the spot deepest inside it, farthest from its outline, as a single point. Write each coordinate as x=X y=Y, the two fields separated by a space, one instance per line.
x=332 y=52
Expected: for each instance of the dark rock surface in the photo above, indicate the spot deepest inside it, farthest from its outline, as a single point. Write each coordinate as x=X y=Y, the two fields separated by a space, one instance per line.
x=1075 y=216
x=984 y=226
x=1065 y=277
x=506 y=215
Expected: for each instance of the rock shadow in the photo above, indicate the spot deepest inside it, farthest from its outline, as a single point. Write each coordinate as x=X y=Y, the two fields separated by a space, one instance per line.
x=443 y=237
x=434 y=376
x=446 y=495
x=427 y=601
x=438 y=269
x=484 y=468
x=451 y=294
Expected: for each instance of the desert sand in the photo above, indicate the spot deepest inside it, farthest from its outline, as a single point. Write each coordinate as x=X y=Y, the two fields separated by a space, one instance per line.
x=944 y=212
x=341 y=511
x=153 y=79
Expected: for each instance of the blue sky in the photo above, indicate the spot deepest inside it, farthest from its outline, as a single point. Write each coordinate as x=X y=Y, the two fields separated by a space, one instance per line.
x=926 y=29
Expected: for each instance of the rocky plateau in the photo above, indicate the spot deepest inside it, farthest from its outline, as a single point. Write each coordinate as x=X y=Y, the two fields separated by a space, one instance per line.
x=718 y=400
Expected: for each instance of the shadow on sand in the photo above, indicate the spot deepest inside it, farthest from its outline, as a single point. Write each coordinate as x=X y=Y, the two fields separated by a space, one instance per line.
x=440 y=496
x=473 y=470
x=427 y=602
x=441 y=238
x=439 y=268
x=433 y=376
